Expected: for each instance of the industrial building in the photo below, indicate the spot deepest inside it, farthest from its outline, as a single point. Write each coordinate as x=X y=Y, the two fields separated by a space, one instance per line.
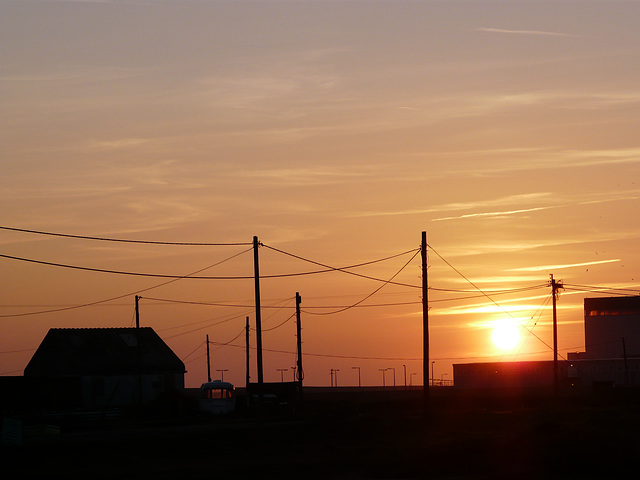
x=611 y=357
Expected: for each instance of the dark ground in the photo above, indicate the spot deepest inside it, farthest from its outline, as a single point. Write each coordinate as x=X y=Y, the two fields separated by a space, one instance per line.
x=351 y=437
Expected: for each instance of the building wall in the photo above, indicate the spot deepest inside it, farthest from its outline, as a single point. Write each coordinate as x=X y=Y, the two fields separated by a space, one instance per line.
x=614 y=372
x=603 y=336
x=606 y=322
x=99 y=392
x=504 y=375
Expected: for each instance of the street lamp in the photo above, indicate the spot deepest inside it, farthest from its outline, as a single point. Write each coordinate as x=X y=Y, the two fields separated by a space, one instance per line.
x=405 y=376
x=222 y=373
x=382 y=370
x=359 y=383
x=432 y=363
x=282 y=370
x=394 y=375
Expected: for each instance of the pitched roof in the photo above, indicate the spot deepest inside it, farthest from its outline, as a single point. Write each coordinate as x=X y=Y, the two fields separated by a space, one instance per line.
x=102 y=351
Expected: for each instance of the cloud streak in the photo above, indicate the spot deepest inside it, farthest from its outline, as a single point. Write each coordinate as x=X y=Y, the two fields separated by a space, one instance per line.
x=526 y=32
x=564 y=266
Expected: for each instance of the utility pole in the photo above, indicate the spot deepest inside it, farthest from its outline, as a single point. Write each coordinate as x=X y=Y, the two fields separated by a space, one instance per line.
x=555 y=286
x=137 y=312
x=299 y=372
x=208 y=361
x=246 y=341
x=256 y=270
x=425 y=325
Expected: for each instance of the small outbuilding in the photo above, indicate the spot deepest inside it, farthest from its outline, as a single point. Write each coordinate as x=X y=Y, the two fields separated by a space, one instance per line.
x=113 y=367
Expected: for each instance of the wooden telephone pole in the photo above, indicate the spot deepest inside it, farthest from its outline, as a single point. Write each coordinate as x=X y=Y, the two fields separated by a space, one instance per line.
x=256 y=271
x=246 y=339
x=208 y=361
x=555 y=286
x=425 y=324
x=137 y=311
x=299 y=371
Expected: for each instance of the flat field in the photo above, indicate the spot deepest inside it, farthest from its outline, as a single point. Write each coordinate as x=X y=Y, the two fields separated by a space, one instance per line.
x=347 y=438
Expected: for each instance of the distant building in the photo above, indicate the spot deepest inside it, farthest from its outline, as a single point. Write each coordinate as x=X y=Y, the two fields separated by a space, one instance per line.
x=611 y=328
x=504 y=375
x=611 y=356
x=113 y=367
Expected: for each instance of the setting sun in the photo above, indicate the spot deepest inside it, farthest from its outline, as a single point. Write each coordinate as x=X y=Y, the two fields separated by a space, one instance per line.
x=505 y=335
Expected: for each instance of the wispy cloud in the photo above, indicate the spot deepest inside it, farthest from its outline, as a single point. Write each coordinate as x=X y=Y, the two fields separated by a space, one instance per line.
x=563 y=266
x=525 y=32
x=459 y=206
x=303 y=176
x=493 y=214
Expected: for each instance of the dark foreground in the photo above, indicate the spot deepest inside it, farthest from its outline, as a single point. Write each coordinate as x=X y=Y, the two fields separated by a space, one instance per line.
x=472 y=438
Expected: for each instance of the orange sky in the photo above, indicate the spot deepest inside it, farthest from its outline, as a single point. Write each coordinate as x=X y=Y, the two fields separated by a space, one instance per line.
x=335 y=131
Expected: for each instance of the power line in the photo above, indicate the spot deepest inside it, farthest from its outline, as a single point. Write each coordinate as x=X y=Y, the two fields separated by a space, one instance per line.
x=596 y=289
x=279 y=325
x=194 y=277
x=346 y=269
x=487 y=295
x=372 y=293
x=127 y=294
x=119 y=272
x=326 y=355
x=210 y=304
x=103 y=239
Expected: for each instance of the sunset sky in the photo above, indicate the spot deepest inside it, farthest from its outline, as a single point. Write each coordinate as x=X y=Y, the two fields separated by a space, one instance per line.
x=336 y=132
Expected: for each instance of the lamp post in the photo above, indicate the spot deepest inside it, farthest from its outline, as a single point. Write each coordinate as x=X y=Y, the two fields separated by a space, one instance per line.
x=394 y=375
x=282 y=370
x=432 y=364
x=405 y=376
x=359 y=382
x=382 y=370
x=222 y=373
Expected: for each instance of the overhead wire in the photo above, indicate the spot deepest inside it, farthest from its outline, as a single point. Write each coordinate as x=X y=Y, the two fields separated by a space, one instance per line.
x=340 y=310
x=327 y=268
x=487 y=296
x=104 y=239
x=596 y=289
x=189 y=275
x=346 y=269
x=279 y=325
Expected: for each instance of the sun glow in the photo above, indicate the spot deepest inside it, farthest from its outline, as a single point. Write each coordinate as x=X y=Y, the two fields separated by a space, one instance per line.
x=505 y=335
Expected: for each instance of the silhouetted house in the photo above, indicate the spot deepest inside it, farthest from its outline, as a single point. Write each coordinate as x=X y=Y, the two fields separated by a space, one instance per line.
x=611 y=357
x=113 y=367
